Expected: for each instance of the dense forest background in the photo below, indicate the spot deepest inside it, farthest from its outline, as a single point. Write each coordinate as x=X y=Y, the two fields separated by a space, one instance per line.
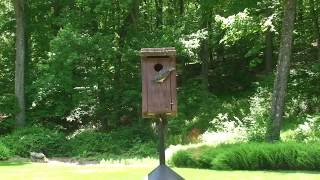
x=82 y=69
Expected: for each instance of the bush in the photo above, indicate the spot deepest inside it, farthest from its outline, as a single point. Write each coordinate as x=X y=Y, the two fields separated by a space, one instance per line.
x=184 y=159
x=308 y=131
x=4 y=152
x=200 y=157
x=89 y=143
x=120 y=143
x=35 y=138
x=6 y=125
x=145 y=149
x=123 y=142
x=8 y=108
x=252 y=156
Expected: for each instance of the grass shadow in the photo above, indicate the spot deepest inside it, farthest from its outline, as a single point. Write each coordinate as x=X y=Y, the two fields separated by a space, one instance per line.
x=276 y=171
x=13 y=163
x=299 y=171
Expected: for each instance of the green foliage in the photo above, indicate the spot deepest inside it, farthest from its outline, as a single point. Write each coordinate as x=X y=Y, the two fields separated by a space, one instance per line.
x=86 y=143
x=7 y=126
x=4 y=152
x=200 y=157
x=252 y=156
x=83 y=69
x=280 y=156
x=37 y=139
x=308 y=131
x=120 y=143
x=195 y=111
x=257 y=120
x=301 y=111
x=203 y=112
x=142 y=149
x=184 y=159
x=237 y=26
x=125 y=142
x=8 y=108
x=8 y=104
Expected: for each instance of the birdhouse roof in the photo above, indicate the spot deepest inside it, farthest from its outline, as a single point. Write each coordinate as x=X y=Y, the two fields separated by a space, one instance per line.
x=169 y=51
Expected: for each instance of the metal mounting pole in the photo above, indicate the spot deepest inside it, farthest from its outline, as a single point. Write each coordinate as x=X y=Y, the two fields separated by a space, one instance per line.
x=161 y=128
x=163 y=172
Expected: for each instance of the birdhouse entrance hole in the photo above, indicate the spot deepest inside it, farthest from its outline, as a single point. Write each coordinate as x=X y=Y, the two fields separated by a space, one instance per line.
x=158 y=67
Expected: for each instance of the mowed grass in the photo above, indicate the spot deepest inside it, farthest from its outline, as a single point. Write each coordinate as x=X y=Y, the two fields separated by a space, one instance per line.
x=59 y=171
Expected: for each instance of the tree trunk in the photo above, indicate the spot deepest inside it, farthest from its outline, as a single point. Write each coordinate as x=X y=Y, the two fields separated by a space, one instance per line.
x=269 y=51
x=315 y=18
x=280 y=85
x=204 y=56
x=205 y=51
x=19 y=6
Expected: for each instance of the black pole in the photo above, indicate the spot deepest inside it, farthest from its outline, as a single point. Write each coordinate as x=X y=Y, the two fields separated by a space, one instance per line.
x=163 y=172
x=162 y=156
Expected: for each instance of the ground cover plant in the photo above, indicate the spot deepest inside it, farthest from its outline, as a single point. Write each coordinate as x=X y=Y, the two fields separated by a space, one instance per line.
x=4 y=152
x=35 y=139
x=252 y=156
x=87 y=144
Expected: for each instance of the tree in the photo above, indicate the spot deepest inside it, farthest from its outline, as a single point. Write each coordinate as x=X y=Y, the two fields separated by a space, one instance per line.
x=19 y=6
x=314 y=5
x=159 y=15
x=124 y=29
x=269 y=50
x=181 y=7
x=269 y=34
x=205 y=49
x=280 y=85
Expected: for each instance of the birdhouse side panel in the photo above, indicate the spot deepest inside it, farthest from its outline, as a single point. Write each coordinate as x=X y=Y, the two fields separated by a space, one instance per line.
x=173 y=88
x=144 y=87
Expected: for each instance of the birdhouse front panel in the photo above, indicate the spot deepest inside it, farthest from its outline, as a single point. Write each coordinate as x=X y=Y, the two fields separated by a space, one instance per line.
x=158 y=84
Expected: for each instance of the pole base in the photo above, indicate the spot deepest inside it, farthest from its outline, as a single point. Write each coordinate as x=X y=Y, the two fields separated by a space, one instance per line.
x=163 y=172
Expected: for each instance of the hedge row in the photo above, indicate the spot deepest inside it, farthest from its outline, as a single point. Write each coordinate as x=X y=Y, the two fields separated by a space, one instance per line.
x=38 y=139
x=4 y=152
x=121 y=143
x=252 y=156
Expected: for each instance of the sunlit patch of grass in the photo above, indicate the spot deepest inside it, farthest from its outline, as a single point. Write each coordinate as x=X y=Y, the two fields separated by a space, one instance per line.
x=103 y=171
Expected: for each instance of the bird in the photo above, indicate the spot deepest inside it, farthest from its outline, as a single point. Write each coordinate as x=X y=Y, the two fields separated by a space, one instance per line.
x=162 y=75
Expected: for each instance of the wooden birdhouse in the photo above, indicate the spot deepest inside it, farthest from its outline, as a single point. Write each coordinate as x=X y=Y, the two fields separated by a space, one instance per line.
x=159 y=95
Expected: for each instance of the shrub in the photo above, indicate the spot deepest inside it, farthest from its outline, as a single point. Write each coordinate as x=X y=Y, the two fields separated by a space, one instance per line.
x=257 y=120
x=6 y=125
x=123 y=142
x=200 y=157
x=308 y=131
x=184 y=159
x=257 y=156
x=91 y=143
x=8 y=107
x=4 y=152
x=35 y=138
x=252 y=156
x=143 y=149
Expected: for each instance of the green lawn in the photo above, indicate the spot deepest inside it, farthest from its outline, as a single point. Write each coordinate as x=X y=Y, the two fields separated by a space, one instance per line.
x=25 y=171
